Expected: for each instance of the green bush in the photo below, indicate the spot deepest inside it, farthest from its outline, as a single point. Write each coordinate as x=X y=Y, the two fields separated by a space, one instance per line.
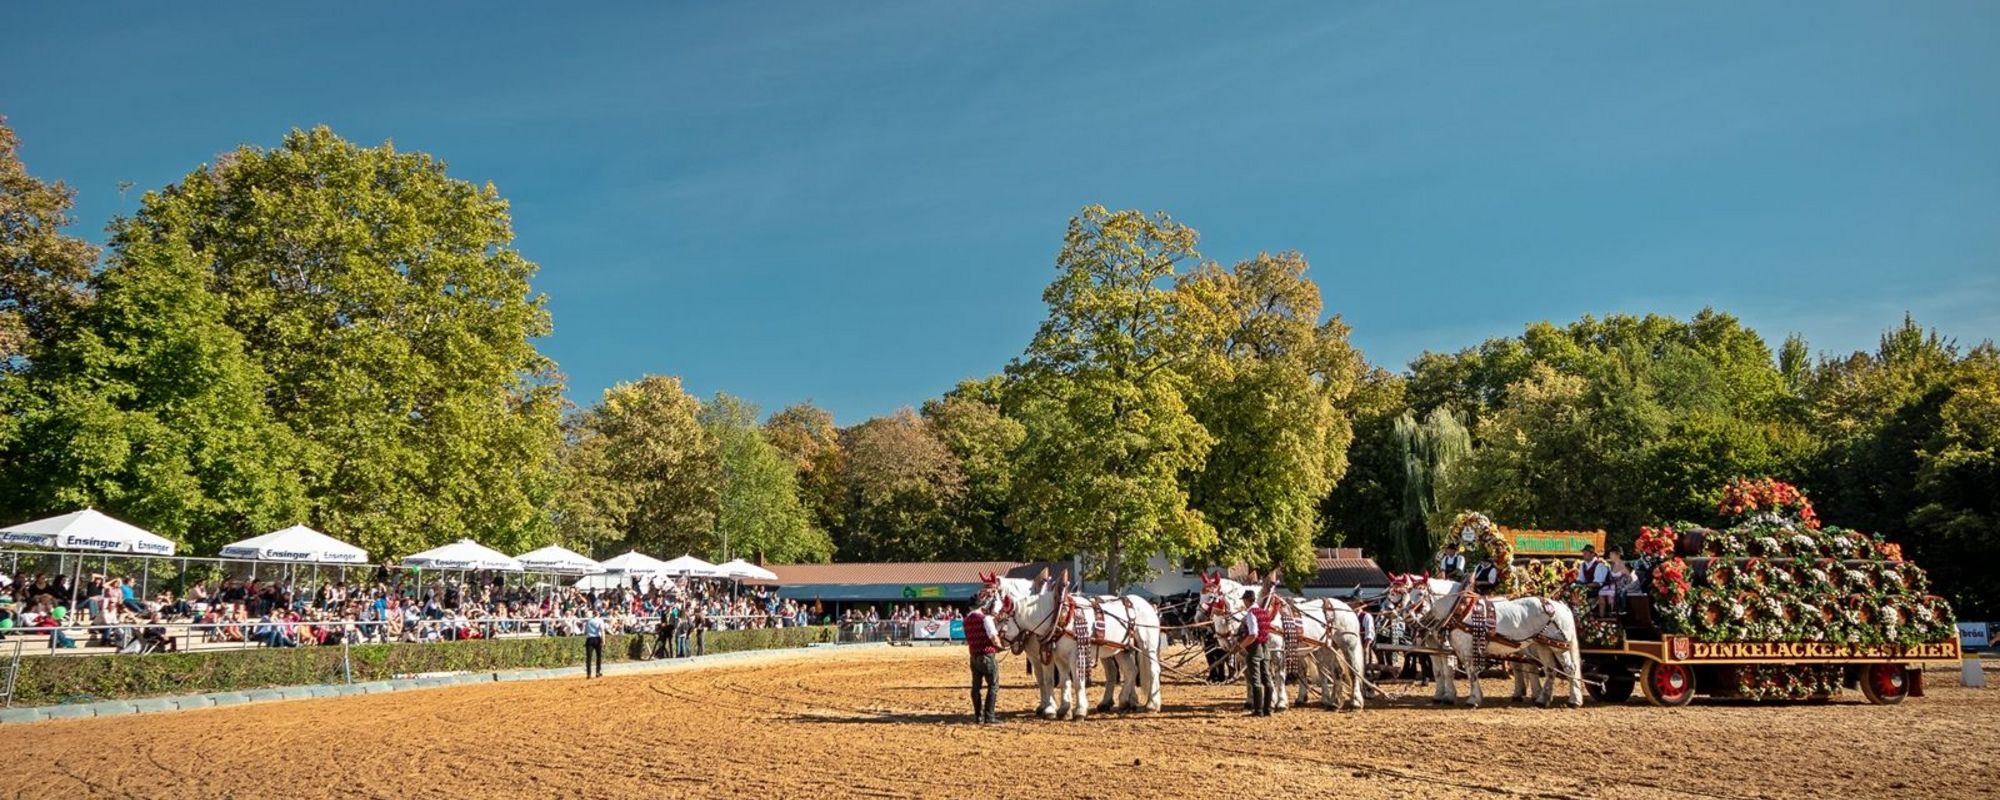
x=48 y=680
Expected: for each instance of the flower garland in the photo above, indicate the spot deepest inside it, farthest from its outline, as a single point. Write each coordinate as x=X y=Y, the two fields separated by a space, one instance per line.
x=1786 y=681
x=1655 y=543
x=1743 y=496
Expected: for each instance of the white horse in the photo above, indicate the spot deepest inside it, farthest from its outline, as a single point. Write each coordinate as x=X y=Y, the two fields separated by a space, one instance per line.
x=1541 y=629
x=1122 y=632
x=1018 y=590
x=1328 y=633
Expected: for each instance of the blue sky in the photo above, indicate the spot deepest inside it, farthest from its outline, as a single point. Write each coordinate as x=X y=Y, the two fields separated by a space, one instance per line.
x=859 y=203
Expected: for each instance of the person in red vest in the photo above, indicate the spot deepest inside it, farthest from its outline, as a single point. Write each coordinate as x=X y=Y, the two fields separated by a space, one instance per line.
x=1256 y=627
x=984 y=643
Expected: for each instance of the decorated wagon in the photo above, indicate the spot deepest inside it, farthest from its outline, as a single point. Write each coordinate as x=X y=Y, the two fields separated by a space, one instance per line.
x=1775 y=606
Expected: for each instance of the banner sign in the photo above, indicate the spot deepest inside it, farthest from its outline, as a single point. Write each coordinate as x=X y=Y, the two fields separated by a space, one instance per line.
x=1682 y=648
x=1552 y=543
x=1974 y=635
x=930 y=629
x=923 y=592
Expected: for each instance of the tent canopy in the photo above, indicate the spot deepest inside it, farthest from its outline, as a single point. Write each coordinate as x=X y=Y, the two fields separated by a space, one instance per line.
x=464 y=554
x=689 y=565
x=558 y=559
x=739 y=568
x=634 y=561
x=88 y=530
x=297 y=543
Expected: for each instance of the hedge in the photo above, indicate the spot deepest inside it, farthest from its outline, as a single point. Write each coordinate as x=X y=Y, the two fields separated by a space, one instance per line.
x=49 y=680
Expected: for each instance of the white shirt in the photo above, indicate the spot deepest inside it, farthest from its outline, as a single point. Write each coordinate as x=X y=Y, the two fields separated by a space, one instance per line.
x=1249 y=624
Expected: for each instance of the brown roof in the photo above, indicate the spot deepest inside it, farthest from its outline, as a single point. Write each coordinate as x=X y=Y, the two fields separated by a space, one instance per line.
x=1347 y=573
x=1339 y=568
x=896 y=573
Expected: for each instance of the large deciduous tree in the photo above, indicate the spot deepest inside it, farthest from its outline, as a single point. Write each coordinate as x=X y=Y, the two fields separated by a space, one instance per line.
x=805 y=433
x=904 y=485
x=1267 y=382
x=970 y=422
x=42 y=271
x=394 y=320
x=1109 y=434
x=759 y=509
x=154 y=409
x=641 y=472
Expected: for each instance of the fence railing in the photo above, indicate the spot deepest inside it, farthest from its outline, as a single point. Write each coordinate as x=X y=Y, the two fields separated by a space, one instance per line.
x=139 y=639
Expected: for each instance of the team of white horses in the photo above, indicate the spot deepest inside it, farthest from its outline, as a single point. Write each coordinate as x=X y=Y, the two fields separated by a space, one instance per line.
x=1064 y=634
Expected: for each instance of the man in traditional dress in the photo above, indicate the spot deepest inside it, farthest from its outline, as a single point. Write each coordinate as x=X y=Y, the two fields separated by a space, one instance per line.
x=1256 y=633
x=1451 y=565
x=983 y=642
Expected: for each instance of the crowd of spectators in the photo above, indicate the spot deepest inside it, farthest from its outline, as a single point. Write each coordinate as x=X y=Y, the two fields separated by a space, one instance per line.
x=393 y=606
x=868 y=623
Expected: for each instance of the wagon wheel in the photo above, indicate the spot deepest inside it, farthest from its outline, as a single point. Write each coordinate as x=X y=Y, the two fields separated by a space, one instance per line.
x=1667 y=684
x=1885 y=684
x=1614 y=690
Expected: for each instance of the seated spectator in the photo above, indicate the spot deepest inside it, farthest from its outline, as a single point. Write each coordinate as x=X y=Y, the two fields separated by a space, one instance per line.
x=154 y=636
x=1618 y=583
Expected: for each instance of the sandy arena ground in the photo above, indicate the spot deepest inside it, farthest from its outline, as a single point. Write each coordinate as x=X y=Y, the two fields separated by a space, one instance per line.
x=882 y=722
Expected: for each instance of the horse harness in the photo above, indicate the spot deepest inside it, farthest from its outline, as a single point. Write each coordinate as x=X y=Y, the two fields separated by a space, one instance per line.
x=1474 y=613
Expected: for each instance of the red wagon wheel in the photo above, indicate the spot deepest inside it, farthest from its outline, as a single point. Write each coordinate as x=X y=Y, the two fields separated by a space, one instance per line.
x=1885 y=684
x=1667 y=684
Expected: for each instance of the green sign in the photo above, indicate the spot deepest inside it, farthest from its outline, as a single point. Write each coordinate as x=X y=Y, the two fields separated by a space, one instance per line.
x=919 y=592
x=1553 y=543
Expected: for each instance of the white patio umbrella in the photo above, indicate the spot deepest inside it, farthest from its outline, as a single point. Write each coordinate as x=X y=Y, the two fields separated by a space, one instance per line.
x=689 y=565
x=635 y=562
x=463 y=554
x=745 y=570
x=88 y=529
x=296 y=543
x=559 y=560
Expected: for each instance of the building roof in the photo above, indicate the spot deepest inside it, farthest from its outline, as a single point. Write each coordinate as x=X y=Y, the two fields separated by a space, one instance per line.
x=892 y=572
x=1339 y=568
x=1348 y=573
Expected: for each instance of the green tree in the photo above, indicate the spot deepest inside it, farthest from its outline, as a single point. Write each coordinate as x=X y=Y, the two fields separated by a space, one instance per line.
x=641 y=472
x=759 y=509
x=971 y=424
x=1108 y=429
x=1616 y=422
x=805 y=433
x=1267 y=383
x=153 y=410
x=1957 y=525
x=904 y=485
x=396 y=323
x=1365 y=508
x=42 y=271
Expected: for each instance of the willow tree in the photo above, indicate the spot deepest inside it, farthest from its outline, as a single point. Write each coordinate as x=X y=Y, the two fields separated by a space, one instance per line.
x=1431 y=450
x=1268 y=380
x=1102 y=401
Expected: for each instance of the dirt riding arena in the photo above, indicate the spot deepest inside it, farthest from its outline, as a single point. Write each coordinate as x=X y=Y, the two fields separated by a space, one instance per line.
x=885 y=722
